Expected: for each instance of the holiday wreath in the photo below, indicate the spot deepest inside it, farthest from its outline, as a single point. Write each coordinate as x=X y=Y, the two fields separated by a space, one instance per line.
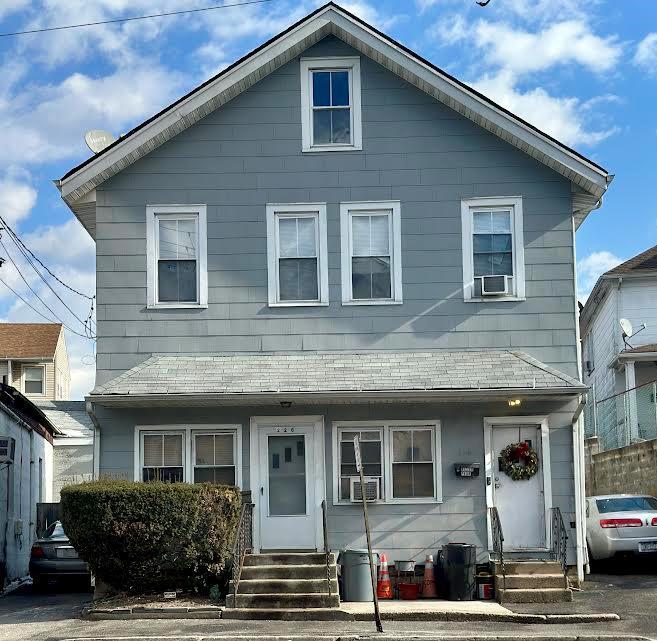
x=519 y=461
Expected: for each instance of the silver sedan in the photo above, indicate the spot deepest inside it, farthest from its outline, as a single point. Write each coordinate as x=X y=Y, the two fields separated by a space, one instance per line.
x=621 y=524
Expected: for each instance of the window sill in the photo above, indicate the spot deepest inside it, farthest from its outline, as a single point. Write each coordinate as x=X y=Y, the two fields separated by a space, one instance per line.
x=372 y=302
x=332 y=148
x=177 y=306
x=494 y=299
x=301 y=304
x=391 y=502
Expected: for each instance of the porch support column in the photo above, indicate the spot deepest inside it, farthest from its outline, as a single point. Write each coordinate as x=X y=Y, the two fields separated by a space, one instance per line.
x=632 y=415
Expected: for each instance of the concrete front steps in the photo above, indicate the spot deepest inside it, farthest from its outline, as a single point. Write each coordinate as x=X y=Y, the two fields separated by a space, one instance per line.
x=281 y=584
x=531 y=582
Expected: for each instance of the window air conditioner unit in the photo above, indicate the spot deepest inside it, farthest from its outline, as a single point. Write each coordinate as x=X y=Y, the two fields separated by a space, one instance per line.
x=494 y=285
x=372 y=489
x=7 y=450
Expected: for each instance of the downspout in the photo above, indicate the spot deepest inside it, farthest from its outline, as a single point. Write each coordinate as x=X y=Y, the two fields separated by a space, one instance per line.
x=10 y=377
x=580 y=491
x=96 y=440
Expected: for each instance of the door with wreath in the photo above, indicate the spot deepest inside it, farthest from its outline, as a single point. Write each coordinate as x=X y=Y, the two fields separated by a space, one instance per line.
x=518 y=491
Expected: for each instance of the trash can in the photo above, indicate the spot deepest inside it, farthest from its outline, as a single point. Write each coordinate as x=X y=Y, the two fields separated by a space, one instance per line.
x=356 y=577
x=460 y=560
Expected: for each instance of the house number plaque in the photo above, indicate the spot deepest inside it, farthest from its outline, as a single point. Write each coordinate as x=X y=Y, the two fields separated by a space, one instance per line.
x=284 y=430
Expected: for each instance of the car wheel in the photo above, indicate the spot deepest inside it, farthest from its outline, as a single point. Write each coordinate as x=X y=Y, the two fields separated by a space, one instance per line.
x=593 y=563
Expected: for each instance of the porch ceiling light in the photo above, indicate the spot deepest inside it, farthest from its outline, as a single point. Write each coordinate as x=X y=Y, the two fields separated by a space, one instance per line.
x=514 y=402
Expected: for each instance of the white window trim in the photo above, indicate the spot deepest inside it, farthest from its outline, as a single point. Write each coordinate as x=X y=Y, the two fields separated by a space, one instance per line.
x=346 y=208
x=352 y=64
x=275 y=210
x=386 y=428
x=44 y=391
x=200 y=211
x=467 y=208
x=188 y=432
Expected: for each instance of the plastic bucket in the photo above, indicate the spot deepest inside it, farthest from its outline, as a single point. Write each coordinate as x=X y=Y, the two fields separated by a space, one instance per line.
x=485 y=587
x=408 y=591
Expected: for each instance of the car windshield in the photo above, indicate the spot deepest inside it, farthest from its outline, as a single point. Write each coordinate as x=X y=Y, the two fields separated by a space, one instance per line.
x=627 y=504
x=55 y=530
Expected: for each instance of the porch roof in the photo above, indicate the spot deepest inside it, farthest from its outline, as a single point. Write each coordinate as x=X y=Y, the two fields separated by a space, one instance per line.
x=371 y=375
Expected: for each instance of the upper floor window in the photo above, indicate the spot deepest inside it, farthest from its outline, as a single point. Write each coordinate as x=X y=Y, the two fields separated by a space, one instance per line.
x=371 y=252
x=177 y=255
x=330 y=104
x=33 y=380
x=493 y=252
x=297 y=254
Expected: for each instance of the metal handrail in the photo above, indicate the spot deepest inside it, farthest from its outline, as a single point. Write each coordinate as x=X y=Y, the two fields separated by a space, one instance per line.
x=327 y=551
x=559 y=542
x=243 y=542
x=498 y=541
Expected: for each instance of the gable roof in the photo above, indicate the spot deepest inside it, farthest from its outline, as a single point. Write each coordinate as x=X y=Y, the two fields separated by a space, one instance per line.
x=644 y=262
x=589 y=180
x=69 y=417
x=316 y=375
x=29 y=340
x=641 y=265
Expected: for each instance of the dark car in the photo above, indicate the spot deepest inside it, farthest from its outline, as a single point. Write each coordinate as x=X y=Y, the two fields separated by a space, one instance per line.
x=53 y=557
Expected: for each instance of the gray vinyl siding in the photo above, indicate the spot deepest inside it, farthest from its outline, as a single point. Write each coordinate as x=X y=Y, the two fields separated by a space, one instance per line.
x=415 y=150
x=403 y=530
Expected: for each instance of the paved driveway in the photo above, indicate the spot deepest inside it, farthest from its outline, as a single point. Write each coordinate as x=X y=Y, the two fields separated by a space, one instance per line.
x=33 y=617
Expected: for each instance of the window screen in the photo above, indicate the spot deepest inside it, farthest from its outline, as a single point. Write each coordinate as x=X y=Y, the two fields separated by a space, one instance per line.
x=412 y=463
x=371 y=256
x=371 y=455
x=492 y=243
x=298 y=278
x=214 y=459
x=177 y=260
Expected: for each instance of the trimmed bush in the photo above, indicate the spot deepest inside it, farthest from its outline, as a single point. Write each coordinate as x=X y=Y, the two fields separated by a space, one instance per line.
x=144 y=537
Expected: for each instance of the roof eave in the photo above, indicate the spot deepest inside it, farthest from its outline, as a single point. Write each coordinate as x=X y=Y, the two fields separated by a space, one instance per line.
x=332 y=19
x=334 y=396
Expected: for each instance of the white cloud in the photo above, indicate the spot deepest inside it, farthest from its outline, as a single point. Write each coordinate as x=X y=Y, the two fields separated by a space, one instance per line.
x=564 y=118
x=17 y=198
x=12 y=6
x=48 y=122
x=646 y=53
x=562 y=43
x=370 y=14
x=590 y=268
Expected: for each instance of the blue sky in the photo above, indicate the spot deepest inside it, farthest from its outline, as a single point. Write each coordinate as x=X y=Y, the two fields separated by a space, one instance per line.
x=585 y=72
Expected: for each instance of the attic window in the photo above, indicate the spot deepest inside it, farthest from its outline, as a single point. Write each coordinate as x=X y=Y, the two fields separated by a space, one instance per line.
x=330 y=104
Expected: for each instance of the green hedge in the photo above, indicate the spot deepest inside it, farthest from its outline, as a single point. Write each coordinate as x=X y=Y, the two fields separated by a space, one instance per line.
x=142 y=537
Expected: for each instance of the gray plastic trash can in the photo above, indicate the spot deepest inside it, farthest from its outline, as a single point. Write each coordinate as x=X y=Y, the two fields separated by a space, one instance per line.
x=355 y=572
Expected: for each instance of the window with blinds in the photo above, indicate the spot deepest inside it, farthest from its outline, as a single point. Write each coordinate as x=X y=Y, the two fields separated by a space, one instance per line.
x=177 y=259
x=371 y=252
x=298 y=276
x=163 y=457
x=214 y=458
x=33 y=380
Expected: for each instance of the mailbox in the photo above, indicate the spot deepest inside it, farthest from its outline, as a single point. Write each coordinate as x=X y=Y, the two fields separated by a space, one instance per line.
x=466 y=470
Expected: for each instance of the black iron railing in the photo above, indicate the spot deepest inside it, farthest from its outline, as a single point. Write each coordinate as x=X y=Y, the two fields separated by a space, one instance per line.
x=498 y=542
x=559 y=540
x=327 y=550
x=243 y=540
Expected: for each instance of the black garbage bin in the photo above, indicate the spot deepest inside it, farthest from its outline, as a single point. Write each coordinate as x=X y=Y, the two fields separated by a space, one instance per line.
x=460 y=561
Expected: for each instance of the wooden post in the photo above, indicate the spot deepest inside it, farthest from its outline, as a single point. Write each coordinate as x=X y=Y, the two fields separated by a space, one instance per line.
x=359 y=467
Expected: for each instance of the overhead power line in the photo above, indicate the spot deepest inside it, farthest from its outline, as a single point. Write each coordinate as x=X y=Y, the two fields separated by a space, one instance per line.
x=132 y=18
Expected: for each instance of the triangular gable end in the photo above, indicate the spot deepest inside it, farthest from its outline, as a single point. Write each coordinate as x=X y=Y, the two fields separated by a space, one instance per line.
x=589 y=180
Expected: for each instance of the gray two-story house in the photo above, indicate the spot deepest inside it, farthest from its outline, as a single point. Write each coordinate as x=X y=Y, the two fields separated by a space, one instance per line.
x=330 y=238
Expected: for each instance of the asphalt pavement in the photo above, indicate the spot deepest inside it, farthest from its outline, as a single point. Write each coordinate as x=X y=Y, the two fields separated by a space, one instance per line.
x=53 y=616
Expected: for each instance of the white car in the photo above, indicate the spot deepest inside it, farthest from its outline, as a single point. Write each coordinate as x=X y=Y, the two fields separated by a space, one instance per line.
x=621 y=524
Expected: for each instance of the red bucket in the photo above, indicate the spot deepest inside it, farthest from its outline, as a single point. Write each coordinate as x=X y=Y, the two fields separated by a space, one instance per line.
x=408 y=591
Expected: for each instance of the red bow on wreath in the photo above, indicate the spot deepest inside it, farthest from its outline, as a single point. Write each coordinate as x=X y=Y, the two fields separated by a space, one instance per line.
x=522 y=451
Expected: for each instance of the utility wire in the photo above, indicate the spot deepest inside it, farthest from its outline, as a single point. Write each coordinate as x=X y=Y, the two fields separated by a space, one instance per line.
x=13 y=291
x=13 y=236
x=50 y=320
x=131 y=18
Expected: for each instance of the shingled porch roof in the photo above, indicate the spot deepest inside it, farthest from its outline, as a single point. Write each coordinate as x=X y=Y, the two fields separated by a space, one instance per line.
x=304 y=376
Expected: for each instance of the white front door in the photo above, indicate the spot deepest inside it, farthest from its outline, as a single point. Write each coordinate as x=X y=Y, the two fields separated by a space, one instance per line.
x=288 y=501
x=520 y=504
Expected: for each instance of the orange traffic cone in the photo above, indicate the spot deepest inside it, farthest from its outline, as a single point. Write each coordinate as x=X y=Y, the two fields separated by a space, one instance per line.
x=429 y=584
x=383 y=586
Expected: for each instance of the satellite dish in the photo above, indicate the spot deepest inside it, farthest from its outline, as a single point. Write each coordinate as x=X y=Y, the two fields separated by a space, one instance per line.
x=626 y=327
x=97 y=140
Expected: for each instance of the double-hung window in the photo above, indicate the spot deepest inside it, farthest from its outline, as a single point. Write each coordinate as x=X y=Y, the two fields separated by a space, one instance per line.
x=371 y=252
x=401 y=459
x=297 y=254
x=162 y=457
x=177 y=255
x=188 y=453
x=330 y=103
x=493 y=252
x=214 y=458
x=33 y=379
